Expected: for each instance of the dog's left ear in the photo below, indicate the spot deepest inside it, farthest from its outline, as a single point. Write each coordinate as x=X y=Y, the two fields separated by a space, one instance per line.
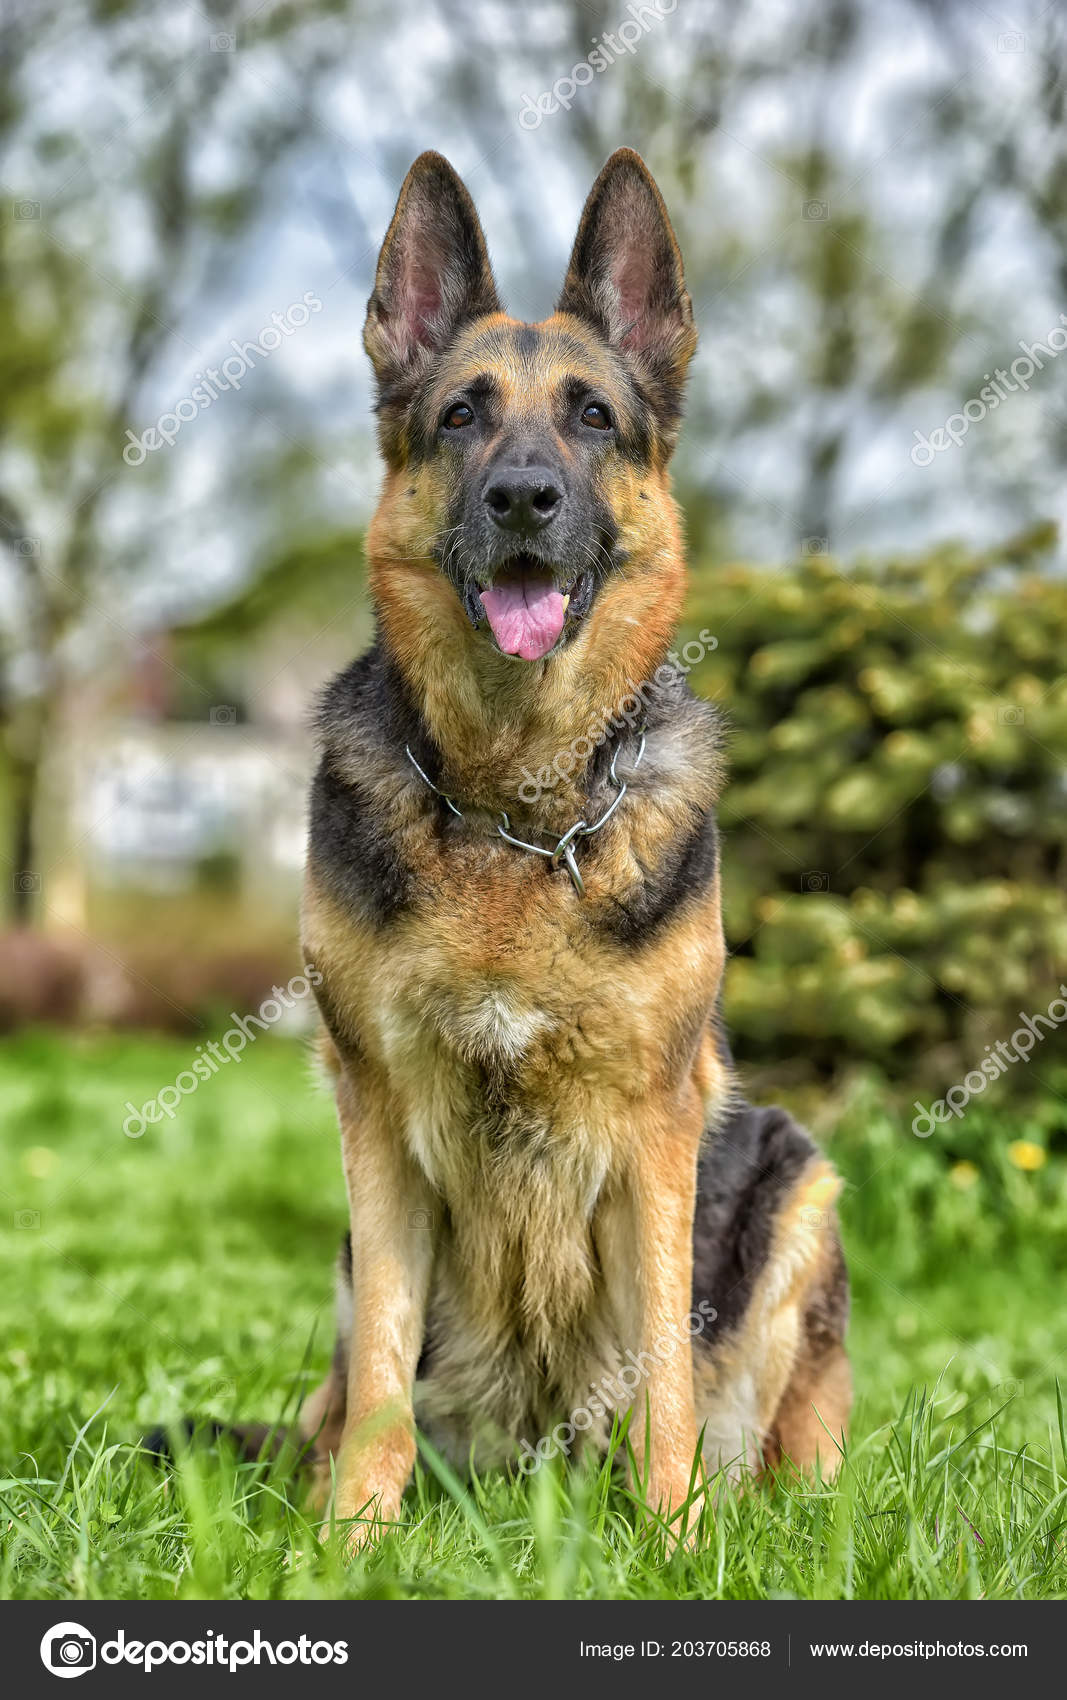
x=625 y=277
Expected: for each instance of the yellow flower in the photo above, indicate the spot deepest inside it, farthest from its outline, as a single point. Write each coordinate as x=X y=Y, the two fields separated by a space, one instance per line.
x=1026 y=1155
x=963 y=1175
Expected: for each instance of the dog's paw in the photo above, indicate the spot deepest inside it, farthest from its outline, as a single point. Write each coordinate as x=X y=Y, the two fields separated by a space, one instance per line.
x=673 y=1506
x=359 y=1522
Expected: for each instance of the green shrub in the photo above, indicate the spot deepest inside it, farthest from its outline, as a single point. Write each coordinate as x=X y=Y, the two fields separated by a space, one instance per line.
x=895 y=822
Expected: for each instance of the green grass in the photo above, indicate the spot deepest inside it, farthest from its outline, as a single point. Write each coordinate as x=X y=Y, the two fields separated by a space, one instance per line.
x=190 y=1270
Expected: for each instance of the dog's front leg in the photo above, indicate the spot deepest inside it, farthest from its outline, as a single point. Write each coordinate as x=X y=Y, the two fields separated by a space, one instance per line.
x=649 y=1265
x=393 y=1237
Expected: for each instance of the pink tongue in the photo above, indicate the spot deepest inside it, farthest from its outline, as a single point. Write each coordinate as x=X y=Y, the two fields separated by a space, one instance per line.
x=526 y=613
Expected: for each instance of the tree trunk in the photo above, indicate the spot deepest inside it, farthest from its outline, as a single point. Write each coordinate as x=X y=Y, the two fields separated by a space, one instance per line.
x=25 y=790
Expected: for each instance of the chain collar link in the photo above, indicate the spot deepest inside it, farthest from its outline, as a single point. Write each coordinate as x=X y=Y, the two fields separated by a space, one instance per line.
x=564 y=849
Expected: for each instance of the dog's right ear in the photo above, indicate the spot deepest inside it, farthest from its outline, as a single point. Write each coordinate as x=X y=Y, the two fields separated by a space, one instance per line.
x=433 y=273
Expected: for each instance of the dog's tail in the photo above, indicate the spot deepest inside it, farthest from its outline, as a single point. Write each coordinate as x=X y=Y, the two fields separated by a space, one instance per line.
x=251 y=1441
x=305 y=1444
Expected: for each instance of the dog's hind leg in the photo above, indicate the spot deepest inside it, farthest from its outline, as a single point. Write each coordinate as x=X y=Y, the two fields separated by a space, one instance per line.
x=772 y=1379
x=809 y=1426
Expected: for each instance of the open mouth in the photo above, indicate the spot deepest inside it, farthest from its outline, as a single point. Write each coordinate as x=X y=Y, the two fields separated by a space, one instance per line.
x=527 y=610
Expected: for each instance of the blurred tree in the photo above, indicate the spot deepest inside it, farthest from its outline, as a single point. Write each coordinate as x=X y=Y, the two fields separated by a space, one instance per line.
x=106 y=250
x=871 y=202
x=871 y=196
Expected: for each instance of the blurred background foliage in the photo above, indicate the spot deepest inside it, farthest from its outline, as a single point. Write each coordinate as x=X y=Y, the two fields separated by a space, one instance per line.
x=895 y=824
x=872 y=200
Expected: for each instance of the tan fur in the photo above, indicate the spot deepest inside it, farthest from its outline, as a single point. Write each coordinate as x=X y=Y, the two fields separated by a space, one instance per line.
x=522 y=1096
x=583 y=1033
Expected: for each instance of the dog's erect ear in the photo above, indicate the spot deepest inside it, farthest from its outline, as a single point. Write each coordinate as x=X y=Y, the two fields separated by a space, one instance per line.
x=433 y=272
x=625 y=276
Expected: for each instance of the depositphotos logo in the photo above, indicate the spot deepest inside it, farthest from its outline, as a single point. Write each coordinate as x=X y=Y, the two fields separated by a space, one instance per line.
x=70 y=1650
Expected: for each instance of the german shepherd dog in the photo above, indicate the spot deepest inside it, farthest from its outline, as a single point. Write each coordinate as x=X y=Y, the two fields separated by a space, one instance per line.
x=550 y=1171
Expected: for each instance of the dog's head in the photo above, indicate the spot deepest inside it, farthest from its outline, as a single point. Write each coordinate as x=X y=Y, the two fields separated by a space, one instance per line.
x=527 y=463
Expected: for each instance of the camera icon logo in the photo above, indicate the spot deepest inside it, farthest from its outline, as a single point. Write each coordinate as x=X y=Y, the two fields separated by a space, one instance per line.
x=420 y=1219
x=815 y=880
x=1011 y=716
x=223 y=714
x=816 y=209
x=68 y=1649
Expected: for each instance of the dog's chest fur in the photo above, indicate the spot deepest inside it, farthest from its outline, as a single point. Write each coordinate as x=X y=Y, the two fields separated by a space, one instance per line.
x=481 y=1067
x=515 y=1051
x=519 y=1045
x=511 y=1043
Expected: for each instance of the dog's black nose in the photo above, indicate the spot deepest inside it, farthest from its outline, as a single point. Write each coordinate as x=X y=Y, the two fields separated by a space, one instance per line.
x=523 y=499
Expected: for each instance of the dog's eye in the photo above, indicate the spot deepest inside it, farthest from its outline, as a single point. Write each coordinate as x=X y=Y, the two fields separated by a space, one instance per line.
x=457 y=417
x=596 y=417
